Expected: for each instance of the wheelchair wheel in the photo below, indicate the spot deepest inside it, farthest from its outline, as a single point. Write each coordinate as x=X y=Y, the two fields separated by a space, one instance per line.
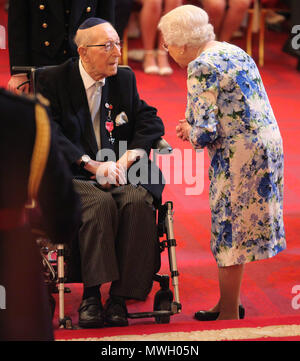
x=162 y=302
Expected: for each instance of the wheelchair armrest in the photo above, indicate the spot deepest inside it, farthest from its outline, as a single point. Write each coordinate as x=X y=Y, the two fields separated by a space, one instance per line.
x=28 y=70
x=32 y=73
x=162 y=146
x=23 y=69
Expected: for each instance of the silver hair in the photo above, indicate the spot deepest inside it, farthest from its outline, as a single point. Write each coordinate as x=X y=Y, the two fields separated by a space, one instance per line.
x=186 y=25
x=80 y=38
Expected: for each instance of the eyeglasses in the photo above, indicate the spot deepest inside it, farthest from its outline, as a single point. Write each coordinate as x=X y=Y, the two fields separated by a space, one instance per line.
x=109 y=46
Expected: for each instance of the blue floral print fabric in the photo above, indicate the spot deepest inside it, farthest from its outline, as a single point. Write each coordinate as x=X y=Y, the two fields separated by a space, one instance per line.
x=230 y=114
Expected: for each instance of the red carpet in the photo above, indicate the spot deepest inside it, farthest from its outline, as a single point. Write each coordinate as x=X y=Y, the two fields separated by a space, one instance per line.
x=267 y=285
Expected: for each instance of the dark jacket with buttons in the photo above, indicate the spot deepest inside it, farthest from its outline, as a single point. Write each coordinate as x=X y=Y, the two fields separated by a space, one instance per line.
x=41 y=32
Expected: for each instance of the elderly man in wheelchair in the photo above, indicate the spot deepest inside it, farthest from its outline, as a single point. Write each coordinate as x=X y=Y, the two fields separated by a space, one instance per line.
x=106 y=133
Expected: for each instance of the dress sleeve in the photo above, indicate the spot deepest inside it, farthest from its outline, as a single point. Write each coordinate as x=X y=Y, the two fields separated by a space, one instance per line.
x=201 y=111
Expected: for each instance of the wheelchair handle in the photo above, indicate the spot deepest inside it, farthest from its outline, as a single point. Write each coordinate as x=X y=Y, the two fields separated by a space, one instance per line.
x=23 y=69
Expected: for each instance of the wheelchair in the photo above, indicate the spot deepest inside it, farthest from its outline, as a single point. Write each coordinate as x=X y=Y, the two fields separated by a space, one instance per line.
x=166 y=303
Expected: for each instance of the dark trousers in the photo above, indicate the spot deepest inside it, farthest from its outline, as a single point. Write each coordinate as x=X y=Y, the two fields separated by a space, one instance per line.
x=118 y=238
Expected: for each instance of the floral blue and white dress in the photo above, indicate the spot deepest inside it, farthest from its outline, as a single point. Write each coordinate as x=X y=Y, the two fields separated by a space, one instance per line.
x=230 y=114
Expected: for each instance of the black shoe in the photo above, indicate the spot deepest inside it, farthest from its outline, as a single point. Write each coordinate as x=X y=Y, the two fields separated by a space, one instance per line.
x=212 y=316
x=115 y=312
x=91 y=313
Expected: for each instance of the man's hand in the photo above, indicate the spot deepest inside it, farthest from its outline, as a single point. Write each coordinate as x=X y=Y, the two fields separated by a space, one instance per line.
x=106 y=173
x=17 y=80
x=111 y=173
x=131 y=156
x=183 y=130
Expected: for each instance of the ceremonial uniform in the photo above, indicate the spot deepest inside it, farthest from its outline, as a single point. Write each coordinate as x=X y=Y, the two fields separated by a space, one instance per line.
x=40 y=32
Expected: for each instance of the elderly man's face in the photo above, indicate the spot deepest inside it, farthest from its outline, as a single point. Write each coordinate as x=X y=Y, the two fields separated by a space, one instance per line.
x=98 y=61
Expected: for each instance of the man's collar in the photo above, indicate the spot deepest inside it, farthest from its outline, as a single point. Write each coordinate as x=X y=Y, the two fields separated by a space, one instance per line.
x=88 y=81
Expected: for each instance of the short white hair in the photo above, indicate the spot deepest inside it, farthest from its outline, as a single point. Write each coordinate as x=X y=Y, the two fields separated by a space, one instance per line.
x=186 y=25
x=81 y=37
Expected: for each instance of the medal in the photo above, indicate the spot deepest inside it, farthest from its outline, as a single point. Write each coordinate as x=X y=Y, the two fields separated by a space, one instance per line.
x=109 y=124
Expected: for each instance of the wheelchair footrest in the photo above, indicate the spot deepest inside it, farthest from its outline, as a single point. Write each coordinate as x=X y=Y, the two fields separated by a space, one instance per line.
x=150 y=314
x=176 y=307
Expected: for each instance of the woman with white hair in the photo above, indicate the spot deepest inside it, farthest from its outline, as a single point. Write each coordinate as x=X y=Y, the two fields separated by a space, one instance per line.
x=228 y=112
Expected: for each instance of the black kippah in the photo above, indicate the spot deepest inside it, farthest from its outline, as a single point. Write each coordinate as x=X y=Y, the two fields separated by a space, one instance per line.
x=90 y=22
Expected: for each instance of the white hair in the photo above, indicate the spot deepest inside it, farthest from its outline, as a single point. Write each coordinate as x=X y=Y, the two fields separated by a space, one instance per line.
x=81 y=37
x=186 y=25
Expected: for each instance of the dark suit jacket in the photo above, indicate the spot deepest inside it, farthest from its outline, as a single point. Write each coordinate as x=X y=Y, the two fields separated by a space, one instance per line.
x=63 y=86
x=39 y=33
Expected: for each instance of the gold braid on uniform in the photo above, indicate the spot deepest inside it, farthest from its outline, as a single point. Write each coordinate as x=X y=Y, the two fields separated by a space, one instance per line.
x=39 y=155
